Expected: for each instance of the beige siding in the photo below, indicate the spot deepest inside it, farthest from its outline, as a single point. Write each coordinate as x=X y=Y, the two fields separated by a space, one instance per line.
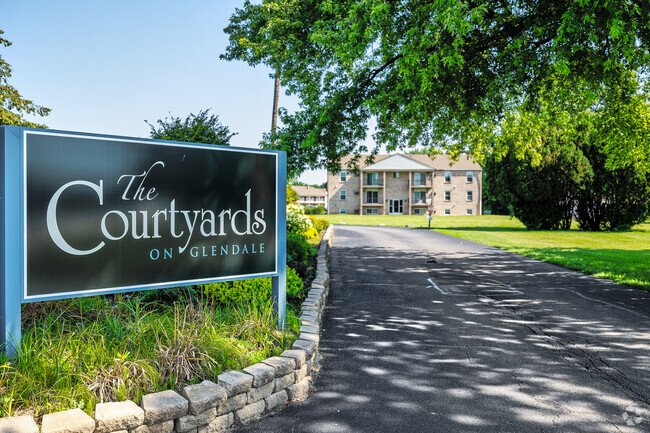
x=398 y=188
x=458 y=187
x=352 y=187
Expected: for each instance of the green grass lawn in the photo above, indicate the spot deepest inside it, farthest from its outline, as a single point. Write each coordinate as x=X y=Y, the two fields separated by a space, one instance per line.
x=623 y=257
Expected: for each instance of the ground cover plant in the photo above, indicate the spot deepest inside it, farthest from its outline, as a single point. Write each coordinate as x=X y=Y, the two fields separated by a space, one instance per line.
x=622 y=257
x=78 y=352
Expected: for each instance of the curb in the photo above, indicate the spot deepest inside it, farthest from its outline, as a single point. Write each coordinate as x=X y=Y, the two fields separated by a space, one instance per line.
x=236 y=399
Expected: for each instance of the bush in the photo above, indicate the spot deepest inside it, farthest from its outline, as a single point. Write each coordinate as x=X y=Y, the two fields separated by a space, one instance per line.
x=294 y=283
x=311 y=233
x=297 y=221
x=321 y=224
x=257 y=290
x=298 y=249
x=315 y=210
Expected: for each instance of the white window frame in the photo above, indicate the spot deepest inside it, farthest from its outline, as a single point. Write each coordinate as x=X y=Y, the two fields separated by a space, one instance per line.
x=396 y=174
x=372 y=211
x=419 y=178
x=447 y=175
x=418 y=211
x=342 y=210
x=372 y=192
x=447 y=195
x=470 y=212
x=447 y=211
x=470 y=195
x=343 y=176
x=419 y=193
x=469 y=177
x=372 y=178
x=343 y=195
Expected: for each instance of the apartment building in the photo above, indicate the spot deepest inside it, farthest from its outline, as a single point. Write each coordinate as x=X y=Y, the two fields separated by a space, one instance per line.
x=311 y=196
x=407 y=185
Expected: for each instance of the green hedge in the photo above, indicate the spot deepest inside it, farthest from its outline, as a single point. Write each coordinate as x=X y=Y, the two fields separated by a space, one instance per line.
x=256 y=290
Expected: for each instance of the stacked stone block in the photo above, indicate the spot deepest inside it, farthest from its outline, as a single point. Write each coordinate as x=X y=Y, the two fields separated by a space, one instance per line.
x=208 y=407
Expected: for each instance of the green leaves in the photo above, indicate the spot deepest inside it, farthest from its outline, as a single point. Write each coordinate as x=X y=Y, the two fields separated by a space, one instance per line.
x=200 y=128
x=12 y=105
x=428 y=72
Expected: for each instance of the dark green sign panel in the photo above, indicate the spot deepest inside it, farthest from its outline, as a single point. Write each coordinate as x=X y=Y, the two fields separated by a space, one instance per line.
x=106 y=214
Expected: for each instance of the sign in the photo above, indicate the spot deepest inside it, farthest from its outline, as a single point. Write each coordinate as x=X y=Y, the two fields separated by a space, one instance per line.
x=90 y=214
x=430 y=209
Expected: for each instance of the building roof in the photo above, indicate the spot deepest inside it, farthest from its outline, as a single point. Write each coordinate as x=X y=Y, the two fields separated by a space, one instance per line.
x=437 y=162
x=309 y=190
x=397 y=163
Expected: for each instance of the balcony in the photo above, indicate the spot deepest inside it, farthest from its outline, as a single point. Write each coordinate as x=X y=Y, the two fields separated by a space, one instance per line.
x=372 y=201
x=426 y=183
x=373 y=182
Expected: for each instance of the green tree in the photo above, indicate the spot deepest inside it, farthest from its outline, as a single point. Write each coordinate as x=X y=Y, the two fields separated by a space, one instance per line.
x=542 y=188
x=612 y=199
x=292 y=195
x=13 y=107
x=577 y=151
x=201 y=128
x=430 y=72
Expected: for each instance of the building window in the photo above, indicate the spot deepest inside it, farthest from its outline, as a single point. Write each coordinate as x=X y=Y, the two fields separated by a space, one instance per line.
x=303 y=198
x=469 y=211
x=470 y=195
x=372 y=179
x=420 y=197
x=396 y=175
x=372 y=211
x=447 y=176
x=372 y=197
x=342 y=210
x=447 y=211
x=447 y=195
x=344 y=176
x=418 y=211
x=419 y=179
x=343 y=195
x=313 y=199
x=470 y=177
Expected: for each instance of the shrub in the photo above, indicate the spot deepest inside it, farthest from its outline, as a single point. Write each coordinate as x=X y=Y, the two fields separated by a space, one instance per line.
x=256 y=290
x=297 y=221
x=321 y=224
x=298 y=249
x=311 y=233
x=294 y=283
x=315 y=210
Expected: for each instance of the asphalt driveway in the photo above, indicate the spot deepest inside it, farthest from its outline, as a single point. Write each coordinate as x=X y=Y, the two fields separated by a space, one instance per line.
x=425 y=332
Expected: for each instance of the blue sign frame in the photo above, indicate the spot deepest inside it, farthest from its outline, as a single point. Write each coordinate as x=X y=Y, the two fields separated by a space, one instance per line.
x=13 y=247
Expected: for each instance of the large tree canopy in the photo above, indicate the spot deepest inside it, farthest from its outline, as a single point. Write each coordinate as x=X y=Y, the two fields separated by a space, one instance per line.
x=429 y=72
x=12 y=105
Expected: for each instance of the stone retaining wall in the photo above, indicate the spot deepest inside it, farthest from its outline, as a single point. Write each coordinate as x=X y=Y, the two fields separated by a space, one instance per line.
x=235 y=399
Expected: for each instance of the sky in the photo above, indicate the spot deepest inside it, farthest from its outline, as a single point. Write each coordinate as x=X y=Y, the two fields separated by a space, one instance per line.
x=107 y=66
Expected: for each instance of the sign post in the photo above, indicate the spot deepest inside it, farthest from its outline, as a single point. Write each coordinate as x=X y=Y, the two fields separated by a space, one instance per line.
x=86 y=214
x=429 y=211
x=279 y=283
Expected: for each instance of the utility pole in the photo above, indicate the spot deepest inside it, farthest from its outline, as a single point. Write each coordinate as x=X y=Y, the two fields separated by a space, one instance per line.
x=276 y=98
